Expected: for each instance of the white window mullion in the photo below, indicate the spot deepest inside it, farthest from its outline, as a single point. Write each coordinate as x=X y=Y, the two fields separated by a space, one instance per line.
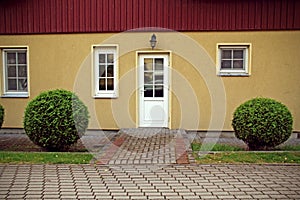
x=106 y=92
x=18 y=90
x=235 y=68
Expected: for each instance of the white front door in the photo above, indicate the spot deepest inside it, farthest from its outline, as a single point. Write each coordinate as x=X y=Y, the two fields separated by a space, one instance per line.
x=153 y=90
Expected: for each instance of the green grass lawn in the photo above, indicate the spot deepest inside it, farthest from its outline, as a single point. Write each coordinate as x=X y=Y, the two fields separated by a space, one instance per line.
x=248 y=157
x=222 y=153
x=44 y=157
x=214 y=147
x=225 y=147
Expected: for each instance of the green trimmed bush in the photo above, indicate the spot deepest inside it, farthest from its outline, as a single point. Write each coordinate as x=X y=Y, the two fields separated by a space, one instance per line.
x=55 y=119
x=262 y=123
x=1 y=115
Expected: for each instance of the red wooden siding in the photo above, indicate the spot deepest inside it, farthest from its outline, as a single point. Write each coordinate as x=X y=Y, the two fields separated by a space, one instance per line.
x=69 y=16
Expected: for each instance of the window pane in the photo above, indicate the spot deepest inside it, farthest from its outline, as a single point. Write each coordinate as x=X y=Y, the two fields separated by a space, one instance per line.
x=148 y=64
x=238 y=54
x=11 y=58
x=110 y=84
x=110 y=58
x=159 y=91
x=226 y=64
x=22 y=71
x=102 y=85
x=22 y=58
x=12 y=84
x=102 y=71
x=226 y=54
x=11 y=72
x=102 y=58
x=159 y=79
x=110 y=71
x=148 y=78
x=148 y=91
x=22 y=84
x=238 y=64
x=159 y=63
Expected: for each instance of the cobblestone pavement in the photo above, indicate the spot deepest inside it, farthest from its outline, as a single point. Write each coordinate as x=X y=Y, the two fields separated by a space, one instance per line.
x=146 y=146
x=17 y=140
x=143 y=164
x=149 y=182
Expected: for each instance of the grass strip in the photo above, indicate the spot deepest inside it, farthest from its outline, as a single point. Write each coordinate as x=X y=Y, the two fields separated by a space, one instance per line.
x=44 y=157
x=247 y=157
x=214 y=147
x=225 y=147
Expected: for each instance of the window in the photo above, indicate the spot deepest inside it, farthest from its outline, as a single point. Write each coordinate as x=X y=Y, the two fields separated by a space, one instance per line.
x=106 y=70
x=15 y=72
x=233 y=60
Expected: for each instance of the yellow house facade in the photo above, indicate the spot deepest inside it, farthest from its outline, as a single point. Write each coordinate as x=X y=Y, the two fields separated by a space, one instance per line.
x=68 y=62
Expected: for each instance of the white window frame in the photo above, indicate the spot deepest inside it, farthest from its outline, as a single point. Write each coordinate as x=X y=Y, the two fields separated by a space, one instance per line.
x=97 y=49
x=5 y=92
x=246 y=47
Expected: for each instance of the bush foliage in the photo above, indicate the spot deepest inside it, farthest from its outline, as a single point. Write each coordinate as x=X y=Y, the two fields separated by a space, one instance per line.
x=262 y=123
x=1 y=115
x=55 y=119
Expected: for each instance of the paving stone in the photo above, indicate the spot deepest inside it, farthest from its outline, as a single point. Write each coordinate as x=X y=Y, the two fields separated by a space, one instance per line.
x=85 y=196
x=243 y=196
x=51 y=196
x=15 y=196
x=68 y=197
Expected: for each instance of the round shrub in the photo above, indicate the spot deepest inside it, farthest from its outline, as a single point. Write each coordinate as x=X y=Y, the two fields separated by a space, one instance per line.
x=262 y=123
x=1 y=115
x=55 y=119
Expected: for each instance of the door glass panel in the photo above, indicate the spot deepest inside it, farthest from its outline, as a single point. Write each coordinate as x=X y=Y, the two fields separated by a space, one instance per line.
x=148 y=91
x=148 y=64
x=159 y=79
x=153 y=77
x=159 y=63
x=148 y=78
x=159 y=91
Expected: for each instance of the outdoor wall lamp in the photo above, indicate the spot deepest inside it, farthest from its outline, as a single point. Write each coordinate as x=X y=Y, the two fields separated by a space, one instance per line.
x=153 y=41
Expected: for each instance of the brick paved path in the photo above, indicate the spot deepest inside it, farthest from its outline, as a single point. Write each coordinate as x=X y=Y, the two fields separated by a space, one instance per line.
x=146 y=146
x=149 y=182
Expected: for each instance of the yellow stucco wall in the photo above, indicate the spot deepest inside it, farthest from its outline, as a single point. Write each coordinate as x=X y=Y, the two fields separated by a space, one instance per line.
x=65 y=61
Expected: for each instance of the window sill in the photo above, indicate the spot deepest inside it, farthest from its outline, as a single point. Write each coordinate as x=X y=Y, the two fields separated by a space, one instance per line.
x=15 y=96
x=234 y=74
x=105 y=96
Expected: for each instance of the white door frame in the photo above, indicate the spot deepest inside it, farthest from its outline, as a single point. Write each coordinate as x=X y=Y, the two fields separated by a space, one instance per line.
x=153 y=111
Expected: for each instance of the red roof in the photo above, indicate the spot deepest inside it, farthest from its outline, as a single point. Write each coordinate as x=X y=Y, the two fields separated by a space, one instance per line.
x=85 y=16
